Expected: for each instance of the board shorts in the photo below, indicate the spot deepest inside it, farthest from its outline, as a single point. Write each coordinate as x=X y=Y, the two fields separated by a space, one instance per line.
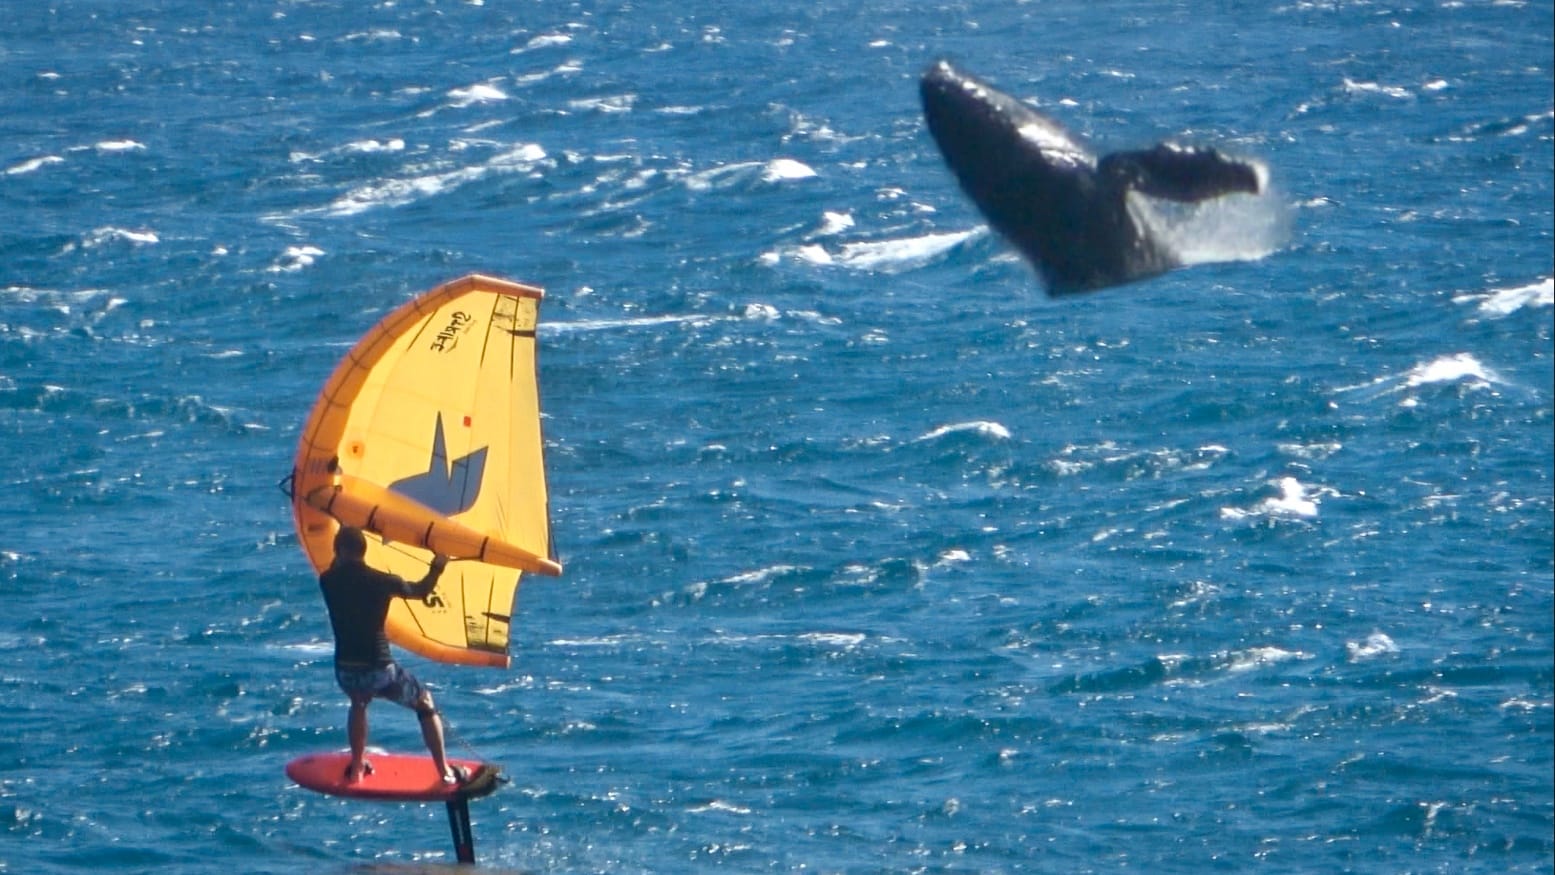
x=389 y=682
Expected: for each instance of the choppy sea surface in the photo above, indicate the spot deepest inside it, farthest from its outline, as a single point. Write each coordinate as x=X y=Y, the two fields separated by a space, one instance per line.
x=878 y=559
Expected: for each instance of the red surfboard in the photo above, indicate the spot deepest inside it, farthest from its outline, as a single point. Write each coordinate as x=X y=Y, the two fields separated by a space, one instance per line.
x=394 y=778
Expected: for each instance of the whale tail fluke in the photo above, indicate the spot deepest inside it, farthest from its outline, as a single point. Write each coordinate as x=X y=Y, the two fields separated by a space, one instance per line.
x=1183 y=173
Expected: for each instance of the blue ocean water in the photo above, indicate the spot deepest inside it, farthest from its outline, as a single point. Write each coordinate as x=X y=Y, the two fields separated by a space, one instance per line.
x=878 y=559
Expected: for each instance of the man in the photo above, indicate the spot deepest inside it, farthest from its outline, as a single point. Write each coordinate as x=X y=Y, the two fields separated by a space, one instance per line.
x=358 y=600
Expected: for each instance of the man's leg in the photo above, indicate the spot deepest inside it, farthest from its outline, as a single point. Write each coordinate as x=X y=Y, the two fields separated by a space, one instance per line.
x=432 y=733
x=356 y=732
x=409 y=692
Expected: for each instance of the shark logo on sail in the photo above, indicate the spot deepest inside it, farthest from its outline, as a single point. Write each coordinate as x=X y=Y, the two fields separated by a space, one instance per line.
x=447 y=486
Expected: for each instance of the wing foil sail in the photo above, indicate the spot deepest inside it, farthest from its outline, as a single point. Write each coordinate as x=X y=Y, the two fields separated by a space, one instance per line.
x=427 y=436
x=398 y=519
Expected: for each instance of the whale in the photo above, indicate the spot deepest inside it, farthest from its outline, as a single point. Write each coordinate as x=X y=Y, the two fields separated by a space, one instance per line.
x=1070 y=212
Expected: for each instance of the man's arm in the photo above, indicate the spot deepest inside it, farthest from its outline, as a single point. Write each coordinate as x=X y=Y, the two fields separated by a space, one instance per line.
x=423 y=587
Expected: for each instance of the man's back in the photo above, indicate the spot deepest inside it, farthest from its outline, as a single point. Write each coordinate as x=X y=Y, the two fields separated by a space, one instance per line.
x=358 y=600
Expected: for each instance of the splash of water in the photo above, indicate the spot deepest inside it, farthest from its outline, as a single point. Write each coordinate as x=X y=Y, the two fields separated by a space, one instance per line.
x=1237 y=227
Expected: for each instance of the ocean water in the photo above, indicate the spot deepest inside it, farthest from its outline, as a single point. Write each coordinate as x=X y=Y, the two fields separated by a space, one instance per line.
x=878 y=559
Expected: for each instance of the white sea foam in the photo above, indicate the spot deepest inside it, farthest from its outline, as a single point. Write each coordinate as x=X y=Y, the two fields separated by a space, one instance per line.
x=1376 y=644
x=617 y=324
x=370 y=146
x=610 y=104
x=1316 y=451
x=1198 y=592
x=707 y=180
x=296 y=258
x=760 y=575
x=813 y=253
x=726 y=175
x=887 y=256
x=548 y=40
x=103 y=236
x=834 y=223
x=1503 y=302
x=780 y=169
x=954 y=557
x=398 y=192
x=762 y=312
x=371 y=36
x=1258 y=657
x=900 y=254
x=33 y=164
x=835 y=640
x=981 y=428
x=524 y=683
x=481 y=92
x=1293 y=500
x=563 y=69
x=1459 y=367
x=119 y=146
x=1451 y=368
x=1394 y=91
x=596 y=641
x=720 y=806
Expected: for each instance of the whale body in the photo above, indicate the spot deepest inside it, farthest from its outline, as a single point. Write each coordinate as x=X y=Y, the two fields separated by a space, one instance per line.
x=1066 y=209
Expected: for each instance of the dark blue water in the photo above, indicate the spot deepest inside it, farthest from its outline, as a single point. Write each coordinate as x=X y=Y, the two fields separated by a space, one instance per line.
x=879 y=560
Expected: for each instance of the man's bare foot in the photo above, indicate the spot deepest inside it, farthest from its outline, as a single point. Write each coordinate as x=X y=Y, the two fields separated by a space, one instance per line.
x=355 y=772
x=456 y=775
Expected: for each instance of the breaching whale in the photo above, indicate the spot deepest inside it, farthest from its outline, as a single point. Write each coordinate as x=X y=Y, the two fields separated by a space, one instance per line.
x=1064 y=208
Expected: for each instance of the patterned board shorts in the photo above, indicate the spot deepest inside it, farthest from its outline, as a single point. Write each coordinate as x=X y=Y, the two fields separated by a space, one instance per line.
x=390 y=682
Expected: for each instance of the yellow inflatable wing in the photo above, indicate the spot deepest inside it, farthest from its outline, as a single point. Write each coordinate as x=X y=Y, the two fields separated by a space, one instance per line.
x=427 y=436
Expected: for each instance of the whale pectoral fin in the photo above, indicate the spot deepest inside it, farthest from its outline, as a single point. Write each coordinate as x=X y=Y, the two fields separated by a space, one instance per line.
x=1182 y=173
